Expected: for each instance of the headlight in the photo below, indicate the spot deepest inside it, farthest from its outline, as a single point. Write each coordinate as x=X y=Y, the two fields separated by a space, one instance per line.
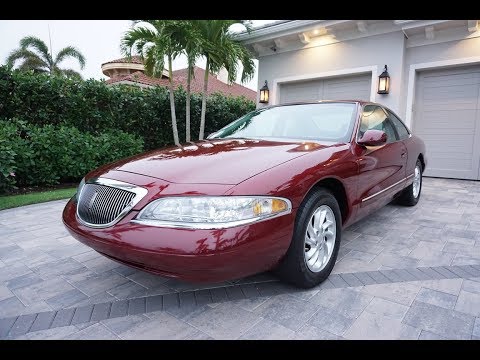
x=79 y=189
x=212 y=212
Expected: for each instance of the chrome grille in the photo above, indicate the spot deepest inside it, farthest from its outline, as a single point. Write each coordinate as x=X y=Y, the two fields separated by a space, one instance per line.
x=102 y=205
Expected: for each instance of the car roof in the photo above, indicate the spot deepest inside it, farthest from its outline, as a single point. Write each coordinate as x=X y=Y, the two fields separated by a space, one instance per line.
x=360 y=102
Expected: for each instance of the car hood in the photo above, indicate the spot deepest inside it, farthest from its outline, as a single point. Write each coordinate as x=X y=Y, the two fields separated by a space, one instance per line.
x=221 y=161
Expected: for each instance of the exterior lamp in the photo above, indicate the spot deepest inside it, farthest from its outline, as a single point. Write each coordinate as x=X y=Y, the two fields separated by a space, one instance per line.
x=384 y=82
x=264 y=93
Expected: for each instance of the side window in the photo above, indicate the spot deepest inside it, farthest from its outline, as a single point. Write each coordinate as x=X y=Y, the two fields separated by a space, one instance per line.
x=401 y=129
x=373 y=117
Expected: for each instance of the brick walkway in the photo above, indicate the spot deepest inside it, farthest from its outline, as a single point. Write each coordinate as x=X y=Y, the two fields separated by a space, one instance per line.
x=405 y=273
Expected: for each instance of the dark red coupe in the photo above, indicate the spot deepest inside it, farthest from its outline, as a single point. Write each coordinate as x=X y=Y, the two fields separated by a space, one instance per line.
x=271 y=190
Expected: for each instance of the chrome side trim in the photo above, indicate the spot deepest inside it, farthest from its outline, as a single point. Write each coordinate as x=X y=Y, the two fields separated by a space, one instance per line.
x=212 y=226
x=139 y=192
x=386 y=189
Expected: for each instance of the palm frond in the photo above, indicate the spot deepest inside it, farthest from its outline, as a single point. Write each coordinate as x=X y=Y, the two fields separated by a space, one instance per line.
x=39 y=45
x=27 y=56
x=70 y=73
x=71 y=52
x=33 y=63
x=136 y=39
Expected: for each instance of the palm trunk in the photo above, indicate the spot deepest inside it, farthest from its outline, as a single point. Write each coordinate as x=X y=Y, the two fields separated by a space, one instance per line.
x=204 y=101
x=172 y=102
x=187 y=104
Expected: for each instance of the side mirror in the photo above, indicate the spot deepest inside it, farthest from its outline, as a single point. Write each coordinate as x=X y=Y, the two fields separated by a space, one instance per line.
x=373 y=138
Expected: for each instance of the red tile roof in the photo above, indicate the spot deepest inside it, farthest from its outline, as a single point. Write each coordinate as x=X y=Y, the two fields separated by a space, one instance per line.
x=135 y=59
x=180 y=78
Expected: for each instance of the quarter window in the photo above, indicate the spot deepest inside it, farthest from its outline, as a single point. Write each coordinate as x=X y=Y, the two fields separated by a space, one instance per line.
x=374 y=118
x=401 y=129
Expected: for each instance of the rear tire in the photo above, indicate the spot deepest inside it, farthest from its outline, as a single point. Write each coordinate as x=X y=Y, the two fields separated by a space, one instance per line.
x=315 y=242
x=411 y=194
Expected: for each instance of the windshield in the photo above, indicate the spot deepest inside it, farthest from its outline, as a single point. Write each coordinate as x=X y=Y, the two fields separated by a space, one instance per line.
x=323 y=121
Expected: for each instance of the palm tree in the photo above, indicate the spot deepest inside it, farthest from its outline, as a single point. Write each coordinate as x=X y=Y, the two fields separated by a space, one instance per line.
x=35 y=56
x=190 y=44
x=154 y=41
x=221 y=49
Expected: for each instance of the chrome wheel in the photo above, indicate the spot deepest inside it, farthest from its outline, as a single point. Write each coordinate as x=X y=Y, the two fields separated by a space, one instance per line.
x=320 y=238
x=417 y=181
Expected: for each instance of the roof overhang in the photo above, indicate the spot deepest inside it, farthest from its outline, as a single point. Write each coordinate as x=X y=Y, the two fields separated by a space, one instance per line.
x=297 y=34
x=129 y=82
x=130 y=66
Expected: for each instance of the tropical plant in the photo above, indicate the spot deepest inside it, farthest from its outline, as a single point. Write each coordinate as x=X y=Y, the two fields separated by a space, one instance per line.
x=92 y=106
x=221 y=49
x=35 y=56
x=190 y=44
x=154 y=40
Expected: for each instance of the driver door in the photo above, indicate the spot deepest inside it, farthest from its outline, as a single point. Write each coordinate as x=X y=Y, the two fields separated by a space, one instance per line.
x=381 y=168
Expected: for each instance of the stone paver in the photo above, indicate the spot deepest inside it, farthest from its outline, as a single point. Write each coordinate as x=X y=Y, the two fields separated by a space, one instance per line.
x=349 y=303
x=223 y=321
x=438 y=298
x=309 y=332
x=401 y=293
x=468 y=302
x=162 y=326
x=382 y=307
x=476 y=328
x=267 y=330
x=401 y=273
x=331 y=321
x=450 y=324
x=377 y=327
x=427 y=335
x=287 y=311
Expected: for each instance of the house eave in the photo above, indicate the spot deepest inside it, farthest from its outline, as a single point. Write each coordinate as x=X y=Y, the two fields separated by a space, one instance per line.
x=283 y=29
x=294 y=35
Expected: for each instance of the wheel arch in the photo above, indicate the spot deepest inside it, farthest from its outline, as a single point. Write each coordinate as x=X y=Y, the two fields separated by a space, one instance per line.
x=422 y=160
x=338 y=190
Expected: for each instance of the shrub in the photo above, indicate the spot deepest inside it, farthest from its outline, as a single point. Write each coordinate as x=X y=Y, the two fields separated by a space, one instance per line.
x=49 y=154
x=92 y=106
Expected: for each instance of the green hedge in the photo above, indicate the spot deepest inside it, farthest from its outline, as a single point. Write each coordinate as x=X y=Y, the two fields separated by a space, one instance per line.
x=46 y=155
x=93 y=107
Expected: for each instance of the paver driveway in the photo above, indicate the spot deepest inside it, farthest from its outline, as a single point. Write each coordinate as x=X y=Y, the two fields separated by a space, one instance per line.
x=404 y=273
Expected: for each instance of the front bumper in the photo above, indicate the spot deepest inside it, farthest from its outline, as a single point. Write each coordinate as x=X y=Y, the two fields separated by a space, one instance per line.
x=192 y=255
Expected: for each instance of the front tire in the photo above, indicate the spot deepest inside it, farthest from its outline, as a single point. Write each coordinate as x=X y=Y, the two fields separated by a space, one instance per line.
x=315 y=242
x=411 y=194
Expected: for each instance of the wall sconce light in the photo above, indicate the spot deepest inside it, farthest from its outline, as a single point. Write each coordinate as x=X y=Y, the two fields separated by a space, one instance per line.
x=384 y=82
x=264 y=93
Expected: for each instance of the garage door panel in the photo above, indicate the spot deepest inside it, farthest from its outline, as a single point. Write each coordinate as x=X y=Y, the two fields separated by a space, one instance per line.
x=462 y=95
x=446 y=139
x=450 y=79
x=335 y=88
x=432 y=123
x=467 y=124
x=466 y=155
x=446 y=164
x=449 y=106
x=465 y=134
x=348 y=88
x=447 y=119
x=305 y=91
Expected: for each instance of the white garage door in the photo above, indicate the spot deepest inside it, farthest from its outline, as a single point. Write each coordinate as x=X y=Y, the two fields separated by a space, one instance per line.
x=447 y=118
x=355 y=87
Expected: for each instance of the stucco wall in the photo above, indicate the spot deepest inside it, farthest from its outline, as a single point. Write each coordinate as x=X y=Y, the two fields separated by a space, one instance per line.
x=379 y=50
